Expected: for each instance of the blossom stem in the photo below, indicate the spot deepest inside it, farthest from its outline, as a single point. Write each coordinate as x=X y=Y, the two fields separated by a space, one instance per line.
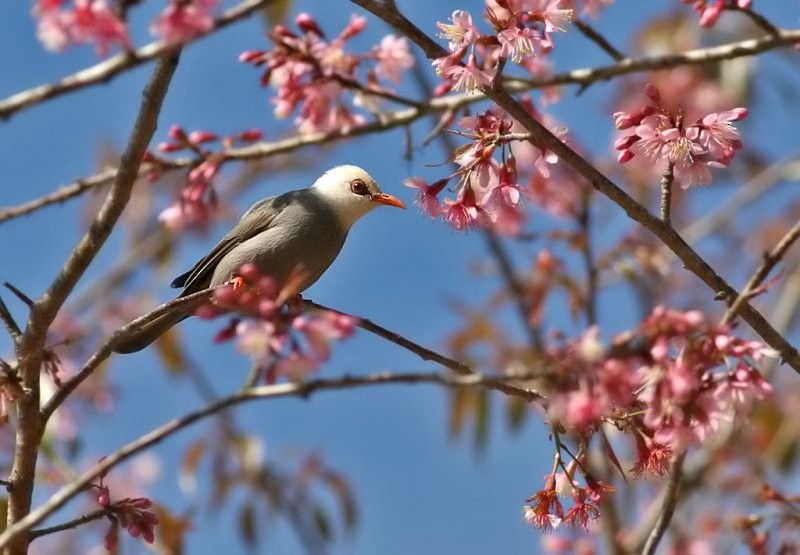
x=667 y=181
x=667 y=507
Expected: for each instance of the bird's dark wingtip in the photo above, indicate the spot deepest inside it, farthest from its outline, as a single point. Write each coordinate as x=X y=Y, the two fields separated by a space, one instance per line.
x=180 y=281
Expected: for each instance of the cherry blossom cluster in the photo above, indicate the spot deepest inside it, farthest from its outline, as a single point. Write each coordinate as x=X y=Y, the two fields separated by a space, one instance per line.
x=522 y=29
x=280 y=339
x=661 y=136
x=673 y=383
x=670 y=384
x=488 y=191
x=310 y=74
x=132 y=514
x=62 y=23
x=710 y=10
x=545 y=509
x=197 y=203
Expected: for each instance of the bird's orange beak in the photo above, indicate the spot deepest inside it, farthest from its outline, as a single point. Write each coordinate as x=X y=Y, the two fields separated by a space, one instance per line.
x=389 y=200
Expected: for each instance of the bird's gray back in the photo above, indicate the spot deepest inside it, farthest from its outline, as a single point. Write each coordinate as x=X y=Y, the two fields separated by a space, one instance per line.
x=304 y=234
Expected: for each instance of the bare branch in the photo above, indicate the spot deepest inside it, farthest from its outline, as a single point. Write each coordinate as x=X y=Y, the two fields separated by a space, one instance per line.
x=8 y=321
x=667 y=507
x=592 y=34
x=426 y=354
x=74 y=523
x=110 y=68
x=771 y=259
x=304 y=390
x=666 y=193
x=105 y=350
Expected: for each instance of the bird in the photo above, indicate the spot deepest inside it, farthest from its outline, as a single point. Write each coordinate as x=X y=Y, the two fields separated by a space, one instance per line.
x=302 y=229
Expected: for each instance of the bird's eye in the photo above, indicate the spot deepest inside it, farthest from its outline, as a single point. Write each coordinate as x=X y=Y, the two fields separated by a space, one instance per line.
x=359 y=187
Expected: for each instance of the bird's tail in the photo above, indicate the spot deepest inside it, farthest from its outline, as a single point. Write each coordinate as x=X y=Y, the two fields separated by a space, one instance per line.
x=149 y=332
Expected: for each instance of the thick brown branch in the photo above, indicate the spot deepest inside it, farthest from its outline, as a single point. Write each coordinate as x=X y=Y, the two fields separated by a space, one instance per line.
x=21 y=528
x=110 y=68
x=30 y=425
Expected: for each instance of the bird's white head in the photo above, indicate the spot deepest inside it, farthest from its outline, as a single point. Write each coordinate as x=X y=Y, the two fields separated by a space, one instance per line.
x=351 y=192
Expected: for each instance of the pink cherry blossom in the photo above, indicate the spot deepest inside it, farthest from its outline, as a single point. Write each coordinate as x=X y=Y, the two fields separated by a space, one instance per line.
x=393 y=58
x=184 y=20
x=461 y=32
x=87 y=21
x=427 y=198
x=662 y=137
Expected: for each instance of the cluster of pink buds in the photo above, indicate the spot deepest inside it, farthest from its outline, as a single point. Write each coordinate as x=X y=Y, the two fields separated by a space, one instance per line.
x=672 y=383
x=279 y=337
x=488 y=191
x=710 y=10
x=80 y=22
x=62 y=23
x=662 y=136
x=197 y=203
x=184 y=20
x=131 y=514
x=310 y=74
x=522 y=29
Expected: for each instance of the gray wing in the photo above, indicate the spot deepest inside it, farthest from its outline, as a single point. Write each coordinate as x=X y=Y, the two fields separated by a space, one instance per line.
x=257 y=219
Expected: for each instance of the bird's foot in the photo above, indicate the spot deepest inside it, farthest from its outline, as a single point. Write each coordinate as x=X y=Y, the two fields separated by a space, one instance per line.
x=237 y=282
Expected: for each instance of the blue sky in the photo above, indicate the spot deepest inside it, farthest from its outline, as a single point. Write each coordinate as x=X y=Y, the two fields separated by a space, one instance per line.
x=419 y=490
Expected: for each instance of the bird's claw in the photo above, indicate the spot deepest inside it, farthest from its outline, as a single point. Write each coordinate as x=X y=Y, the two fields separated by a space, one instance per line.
x=237 y=282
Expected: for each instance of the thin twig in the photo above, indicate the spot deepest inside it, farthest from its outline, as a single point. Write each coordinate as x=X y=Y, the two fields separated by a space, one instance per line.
x=764 y=23
x=594 y=36
x=19 y=294
x=303 y=390
x=666 y=193
x=667 y=506
x=9 y=322
x=110 y=68
x=74 y=523
x=105 y=350
x=587 y=254
x=771 y=259
x=426 y=354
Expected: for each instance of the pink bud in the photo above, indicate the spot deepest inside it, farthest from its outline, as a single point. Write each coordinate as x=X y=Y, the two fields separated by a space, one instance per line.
x=170 y=147
x=198 y=137
x=177 y=133
x=356 y=25
x=652 y=92
x=103 y=499
x=625 y=156
x=250 y=135
x=252 y=56
x=307 y=24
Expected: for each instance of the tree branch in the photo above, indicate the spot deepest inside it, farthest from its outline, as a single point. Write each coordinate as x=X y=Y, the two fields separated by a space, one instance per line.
x=667 y=507
x=771 y=259
x=61 y=497
x=74 y=523
x=110 y=68
x=665 y=232
x=427 y=354
x=114 y=339
x=397 y=118
x=30 y=425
